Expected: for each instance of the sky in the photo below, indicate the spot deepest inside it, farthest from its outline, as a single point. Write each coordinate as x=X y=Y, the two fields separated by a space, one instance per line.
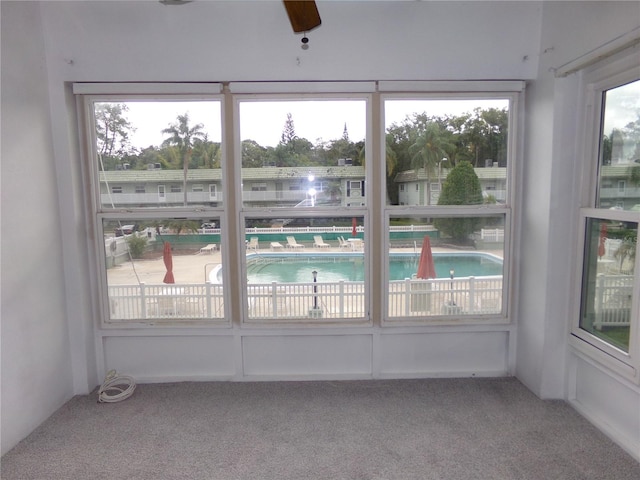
x=150 y=118
x=263 y=121
x=622 y=106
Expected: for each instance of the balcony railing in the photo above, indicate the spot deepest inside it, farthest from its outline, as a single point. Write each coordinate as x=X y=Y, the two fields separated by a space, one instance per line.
x=612 y=303
x=292 y=301
x=443 y=296
x=154 y=198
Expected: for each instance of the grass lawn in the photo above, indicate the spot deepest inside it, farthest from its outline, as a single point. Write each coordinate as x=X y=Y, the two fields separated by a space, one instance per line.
x=617 y=336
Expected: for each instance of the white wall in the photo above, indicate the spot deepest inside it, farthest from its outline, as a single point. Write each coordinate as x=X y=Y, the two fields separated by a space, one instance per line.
x=216 y=41
x=544 y=362
x=36 y=354
x=244 y=40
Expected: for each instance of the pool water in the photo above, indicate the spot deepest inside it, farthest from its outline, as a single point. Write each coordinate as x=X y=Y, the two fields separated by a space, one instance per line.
x=297 y=268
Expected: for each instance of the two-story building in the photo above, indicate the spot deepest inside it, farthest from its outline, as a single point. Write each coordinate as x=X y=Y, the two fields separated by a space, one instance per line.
x=417 y=187
x=267 y=186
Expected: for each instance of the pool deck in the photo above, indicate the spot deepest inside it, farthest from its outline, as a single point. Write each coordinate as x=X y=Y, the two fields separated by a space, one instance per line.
x=192 y=268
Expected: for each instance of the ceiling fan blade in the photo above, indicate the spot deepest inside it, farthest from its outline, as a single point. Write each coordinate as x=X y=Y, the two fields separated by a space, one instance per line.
x=303 y=15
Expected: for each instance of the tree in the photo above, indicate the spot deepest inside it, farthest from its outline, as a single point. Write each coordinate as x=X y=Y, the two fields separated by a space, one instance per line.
x=428 y=150
x=345 y=133
x=627 y=249
x=254 y=155
x=206 y=154
x=182 y=136
x=112 y=131
x=461 y=187
x=288 y=132
x=136 y=245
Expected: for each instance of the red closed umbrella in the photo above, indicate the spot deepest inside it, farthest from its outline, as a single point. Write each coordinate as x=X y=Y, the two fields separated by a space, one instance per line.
x=426 y=267
x=168 y=262
x=354 y=226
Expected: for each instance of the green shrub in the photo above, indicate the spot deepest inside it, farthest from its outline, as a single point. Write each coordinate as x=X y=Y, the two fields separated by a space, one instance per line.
x=136 y=245
x=462 y=187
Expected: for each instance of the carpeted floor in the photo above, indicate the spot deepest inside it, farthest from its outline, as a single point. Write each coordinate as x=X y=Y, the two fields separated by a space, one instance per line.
x=454 y=429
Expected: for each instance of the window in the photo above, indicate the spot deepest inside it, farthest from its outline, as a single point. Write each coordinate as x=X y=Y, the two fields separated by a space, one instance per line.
x=607 y=324
x=306 y=193
x=313 y=271
x=307 y=264
x=170 y=141
x=447 y=255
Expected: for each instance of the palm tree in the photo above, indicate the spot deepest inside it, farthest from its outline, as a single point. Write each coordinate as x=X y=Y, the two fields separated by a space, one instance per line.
x=391 y=158
x=428 y=150
x=181 y=135
x=627 y=249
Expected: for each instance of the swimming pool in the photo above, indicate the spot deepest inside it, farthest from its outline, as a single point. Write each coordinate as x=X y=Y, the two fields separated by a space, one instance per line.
x=331 y=267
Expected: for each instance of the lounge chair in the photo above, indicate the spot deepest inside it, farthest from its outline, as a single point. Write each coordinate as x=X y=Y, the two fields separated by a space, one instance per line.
x=276 y=246
x=209 y=248
x=343 y=243
x=319 y=242
x=356 y=243
x=253 y=244
x=291 y=243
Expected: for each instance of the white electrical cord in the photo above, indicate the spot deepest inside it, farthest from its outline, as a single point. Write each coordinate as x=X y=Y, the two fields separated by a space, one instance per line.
x=116 y=388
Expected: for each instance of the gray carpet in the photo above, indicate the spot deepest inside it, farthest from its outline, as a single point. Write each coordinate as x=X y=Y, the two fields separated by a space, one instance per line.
x=399 y=429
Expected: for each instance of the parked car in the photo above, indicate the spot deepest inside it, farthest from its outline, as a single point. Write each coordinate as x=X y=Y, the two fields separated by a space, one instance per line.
x=126 y=230
x=208 y=225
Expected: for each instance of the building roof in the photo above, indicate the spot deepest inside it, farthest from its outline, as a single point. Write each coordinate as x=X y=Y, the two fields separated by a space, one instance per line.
x=486 y=173
x=618 y=170
x=264 y=173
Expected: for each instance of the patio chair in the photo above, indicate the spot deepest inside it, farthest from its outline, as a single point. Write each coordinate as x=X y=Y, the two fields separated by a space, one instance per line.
x=209 y=248
x=319 y=242
x=343 y=243
x=356 y=244
x=253 y=244
x=276 y=246
x=292 y=243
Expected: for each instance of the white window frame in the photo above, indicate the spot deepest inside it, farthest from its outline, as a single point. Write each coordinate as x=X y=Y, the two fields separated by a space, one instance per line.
x=596 y=80
x=514 y=93
x=88 y=94
x=243 y=92
x=373 y=210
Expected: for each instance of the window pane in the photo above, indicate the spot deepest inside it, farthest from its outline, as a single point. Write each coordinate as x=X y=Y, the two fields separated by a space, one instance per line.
x=608 y=278
x=445 y=266
x=282 y=256
x=163 y=270
x=427 y=138
x=154 y=153
x=620 y=149
x=303 y=153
